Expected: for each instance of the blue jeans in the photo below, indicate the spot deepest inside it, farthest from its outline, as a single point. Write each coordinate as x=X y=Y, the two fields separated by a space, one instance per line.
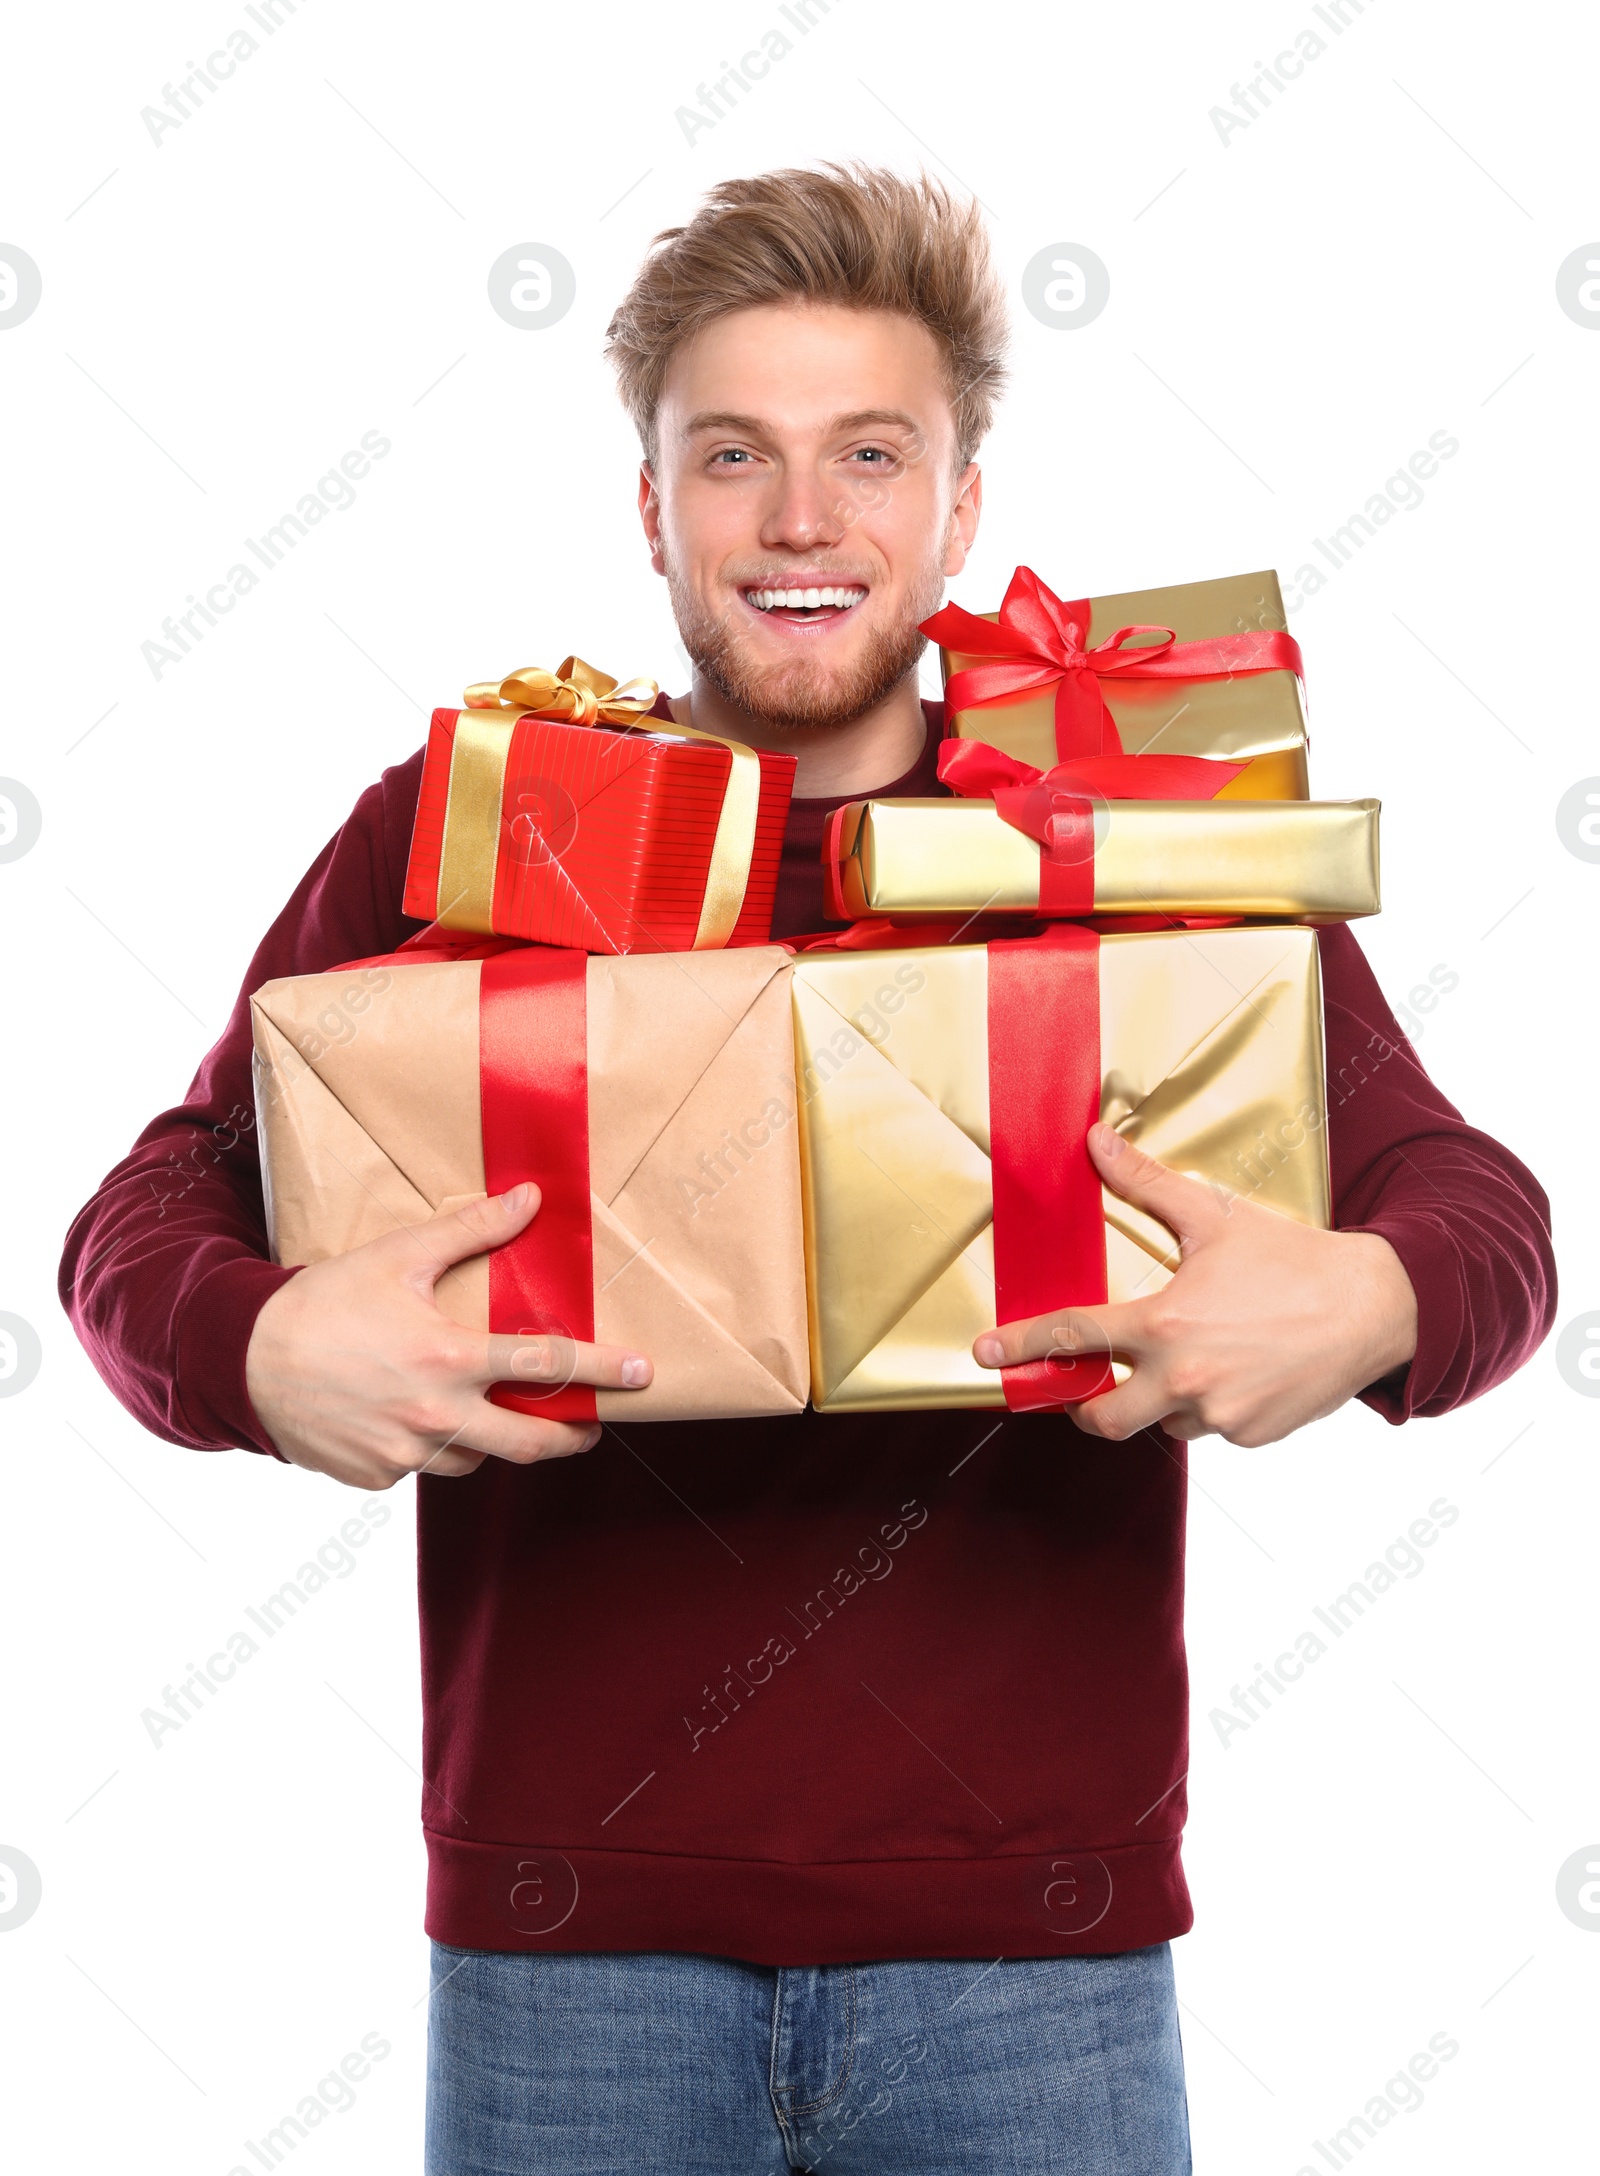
x=701 y=2066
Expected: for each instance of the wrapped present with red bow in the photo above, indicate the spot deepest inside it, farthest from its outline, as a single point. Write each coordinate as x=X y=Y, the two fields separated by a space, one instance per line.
x=652 y=1101
x=555 y=809
x=946 y=1094
x=1204 y=672
x=1020 y=842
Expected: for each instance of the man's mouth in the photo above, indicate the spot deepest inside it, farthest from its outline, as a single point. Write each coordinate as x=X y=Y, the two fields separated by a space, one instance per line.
x=805 y=606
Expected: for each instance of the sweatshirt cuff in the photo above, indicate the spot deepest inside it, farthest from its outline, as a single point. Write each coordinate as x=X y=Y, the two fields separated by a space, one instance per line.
x=213 y=1339
x=1430 y=1258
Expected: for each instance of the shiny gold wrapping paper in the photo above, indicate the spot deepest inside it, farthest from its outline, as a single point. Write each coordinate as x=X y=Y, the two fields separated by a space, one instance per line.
x=1211 y=1060
x=1310 y=861
x=1257 y=718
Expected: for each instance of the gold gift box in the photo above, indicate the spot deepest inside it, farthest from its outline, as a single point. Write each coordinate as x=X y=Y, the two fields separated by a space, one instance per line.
x=1308 y=861
x=1257 y=719
x=1211 y=1060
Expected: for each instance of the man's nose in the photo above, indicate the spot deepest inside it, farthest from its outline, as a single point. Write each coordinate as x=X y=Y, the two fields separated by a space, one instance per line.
x=802 y=514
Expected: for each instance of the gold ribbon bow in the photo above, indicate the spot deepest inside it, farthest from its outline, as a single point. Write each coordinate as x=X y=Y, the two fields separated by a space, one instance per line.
x=576 y=694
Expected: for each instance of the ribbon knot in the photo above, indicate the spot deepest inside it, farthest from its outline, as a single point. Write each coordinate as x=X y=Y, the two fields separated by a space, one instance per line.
x=1039 y=642
x=574 y=694
x=1030 y=798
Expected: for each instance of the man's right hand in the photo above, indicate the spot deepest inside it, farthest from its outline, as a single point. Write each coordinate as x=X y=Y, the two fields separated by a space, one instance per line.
x=354 y=1372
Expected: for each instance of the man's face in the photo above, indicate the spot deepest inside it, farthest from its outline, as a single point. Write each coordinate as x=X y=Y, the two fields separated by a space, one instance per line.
x=805 y=506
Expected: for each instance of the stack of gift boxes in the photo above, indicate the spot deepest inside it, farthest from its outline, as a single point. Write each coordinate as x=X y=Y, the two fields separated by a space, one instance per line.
x=816 y=1171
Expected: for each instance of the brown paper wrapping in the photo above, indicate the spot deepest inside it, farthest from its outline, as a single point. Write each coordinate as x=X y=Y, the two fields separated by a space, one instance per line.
x=1211 y=1060
x=1309 y=861
x=368 y=1106
x=1257 y=719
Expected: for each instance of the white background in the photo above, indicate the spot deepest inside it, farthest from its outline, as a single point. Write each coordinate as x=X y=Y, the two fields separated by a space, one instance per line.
x=1292 y=314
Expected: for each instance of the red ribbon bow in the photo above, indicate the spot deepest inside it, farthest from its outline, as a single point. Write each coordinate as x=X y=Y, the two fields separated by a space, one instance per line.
x=1056 y=807
x=1025 y=795
x=1039 y=642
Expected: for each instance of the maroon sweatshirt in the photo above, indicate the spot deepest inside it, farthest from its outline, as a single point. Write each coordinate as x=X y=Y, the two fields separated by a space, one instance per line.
x=795 y=1690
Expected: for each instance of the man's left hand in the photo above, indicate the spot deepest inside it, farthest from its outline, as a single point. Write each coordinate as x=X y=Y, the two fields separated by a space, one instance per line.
x=1265 y=1324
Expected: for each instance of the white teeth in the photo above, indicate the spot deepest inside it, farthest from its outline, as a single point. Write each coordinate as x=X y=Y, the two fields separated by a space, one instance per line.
x=803 y=600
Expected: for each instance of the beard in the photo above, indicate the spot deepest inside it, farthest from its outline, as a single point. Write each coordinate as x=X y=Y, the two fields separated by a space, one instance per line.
x=802 y=692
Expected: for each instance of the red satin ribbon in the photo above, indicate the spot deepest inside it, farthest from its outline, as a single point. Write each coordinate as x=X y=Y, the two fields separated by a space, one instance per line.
x=1040 y=642
x=977 y=771
x=833 y=905
x=880 y=933
x=1044 y=1095
x=533 y=1070
x=1056 y=807
x=534 y=1092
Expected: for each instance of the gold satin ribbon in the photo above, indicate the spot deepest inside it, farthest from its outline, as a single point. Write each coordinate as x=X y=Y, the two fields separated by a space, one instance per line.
x=576 y=694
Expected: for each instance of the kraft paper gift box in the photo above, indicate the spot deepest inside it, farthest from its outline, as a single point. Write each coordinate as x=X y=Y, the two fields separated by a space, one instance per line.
x=554 y=810
x=652 y=1098
x=1046 y=680
x=946 y=1092
x=1307 y=861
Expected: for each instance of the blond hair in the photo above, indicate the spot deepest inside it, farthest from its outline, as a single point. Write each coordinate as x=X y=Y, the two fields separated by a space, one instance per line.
x=854 y=235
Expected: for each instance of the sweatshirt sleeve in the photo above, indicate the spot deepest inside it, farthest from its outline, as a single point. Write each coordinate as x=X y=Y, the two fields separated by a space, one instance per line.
x=166 y=1267
x=1470 y=1223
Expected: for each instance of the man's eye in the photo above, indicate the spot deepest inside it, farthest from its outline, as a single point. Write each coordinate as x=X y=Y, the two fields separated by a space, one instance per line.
x=730 y=456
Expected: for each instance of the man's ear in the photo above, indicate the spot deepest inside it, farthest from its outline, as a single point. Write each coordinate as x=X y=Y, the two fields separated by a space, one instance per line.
x=650 y=514
x=964 y=517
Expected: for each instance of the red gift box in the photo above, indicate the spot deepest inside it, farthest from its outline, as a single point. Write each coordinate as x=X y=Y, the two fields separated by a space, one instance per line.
x=551 y=811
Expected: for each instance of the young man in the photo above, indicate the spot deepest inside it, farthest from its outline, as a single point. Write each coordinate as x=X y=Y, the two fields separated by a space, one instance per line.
x=805 y=1793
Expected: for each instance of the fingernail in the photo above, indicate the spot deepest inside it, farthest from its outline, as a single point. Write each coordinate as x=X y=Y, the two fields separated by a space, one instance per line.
x=635 y=1373
x=590 y=1440
x=988 y=1351
x=1110 y=1142
x=516 y=1197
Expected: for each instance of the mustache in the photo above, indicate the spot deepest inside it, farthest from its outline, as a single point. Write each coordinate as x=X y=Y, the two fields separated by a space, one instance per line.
x=799 y=573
